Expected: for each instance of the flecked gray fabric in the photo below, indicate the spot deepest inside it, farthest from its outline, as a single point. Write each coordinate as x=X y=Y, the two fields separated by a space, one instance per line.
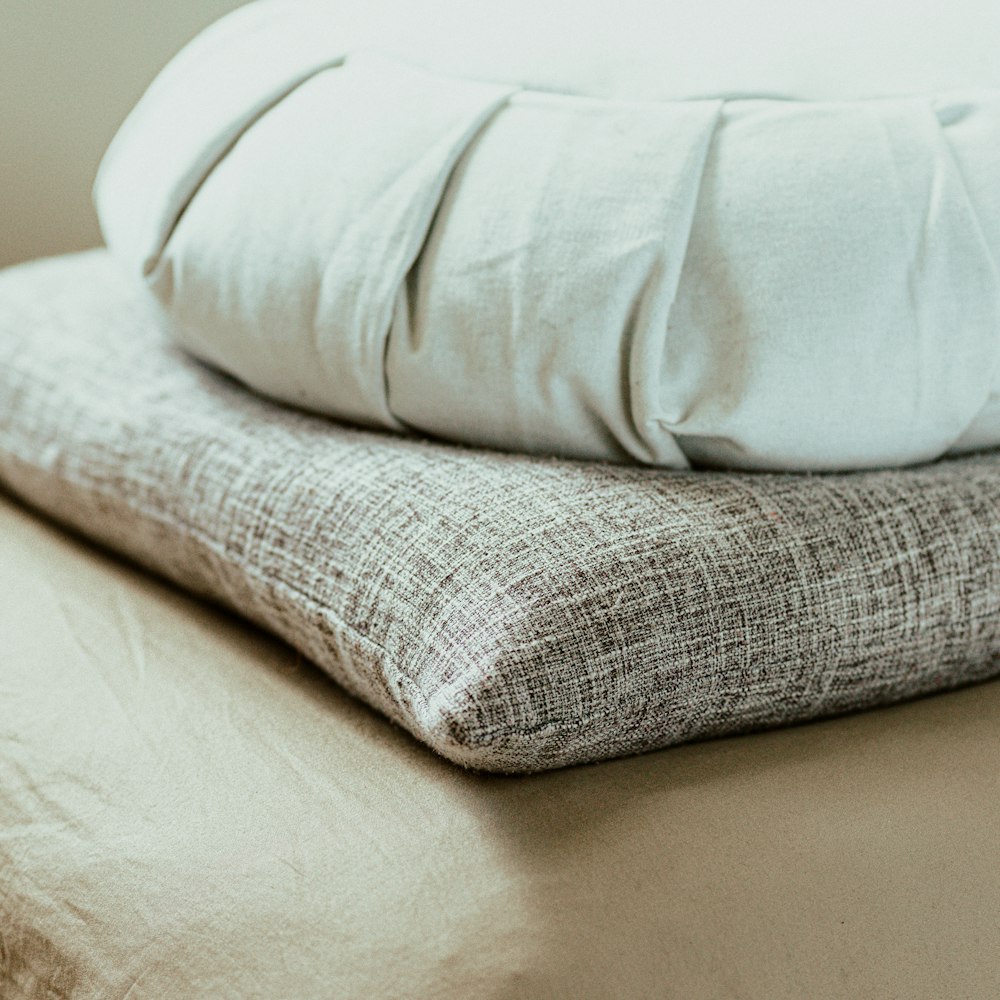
x=514 y=613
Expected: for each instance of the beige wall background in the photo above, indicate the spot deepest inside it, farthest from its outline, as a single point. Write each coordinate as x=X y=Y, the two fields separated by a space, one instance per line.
x=70 y=70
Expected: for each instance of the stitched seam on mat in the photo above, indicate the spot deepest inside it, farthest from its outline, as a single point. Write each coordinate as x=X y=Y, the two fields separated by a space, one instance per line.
x=558 y=726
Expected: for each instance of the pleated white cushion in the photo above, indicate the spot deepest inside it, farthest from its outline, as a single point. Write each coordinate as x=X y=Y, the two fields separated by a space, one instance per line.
x=759 y=236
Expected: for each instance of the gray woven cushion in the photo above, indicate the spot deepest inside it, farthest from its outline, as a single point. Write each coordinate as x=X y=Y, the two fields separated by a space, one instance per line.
x=514 y=613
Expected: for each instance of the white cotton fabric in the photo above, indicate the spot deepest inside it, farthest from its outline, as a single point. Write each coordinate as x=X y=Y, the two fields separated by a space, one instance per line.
x=759 y=237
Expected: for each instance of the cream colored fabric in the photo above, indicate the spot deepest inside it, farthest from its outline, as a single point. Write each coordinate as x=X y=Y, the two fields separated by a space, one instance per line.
x=188 y=811
x=627 y=238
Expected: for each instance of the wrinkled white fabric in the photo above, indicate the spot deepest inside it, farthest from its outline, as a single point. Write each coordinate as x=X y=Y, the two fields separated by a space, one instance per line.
x=695 y=232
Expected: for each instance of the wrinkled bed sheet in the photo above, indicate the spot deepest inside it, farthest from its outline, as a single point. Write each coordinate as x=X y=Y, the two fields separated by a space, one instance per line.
x=189 y=810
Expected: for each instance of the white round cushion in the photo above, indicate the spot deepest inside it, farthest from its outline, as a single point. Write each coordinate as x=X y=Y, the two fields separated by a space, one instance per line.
x=703 y=231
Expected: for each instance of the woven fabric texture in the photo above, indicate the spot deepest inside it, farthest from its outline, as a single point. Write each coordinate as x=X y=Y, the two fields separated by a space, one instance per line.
x=514 y=613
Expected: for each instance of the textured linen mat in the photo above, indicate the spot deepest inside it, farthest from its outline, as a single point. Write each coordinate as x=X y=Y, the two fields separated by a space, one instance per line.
x=514 y=613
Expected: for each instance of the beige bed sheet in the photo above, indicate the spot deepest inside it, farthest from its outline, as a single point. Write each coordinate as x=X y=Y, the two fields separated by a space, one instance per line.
x=188 y=810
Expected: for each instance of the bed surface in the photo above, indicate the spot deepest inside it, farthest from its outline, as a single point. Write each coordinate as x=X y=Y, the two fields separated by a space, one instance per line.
x=189 y=810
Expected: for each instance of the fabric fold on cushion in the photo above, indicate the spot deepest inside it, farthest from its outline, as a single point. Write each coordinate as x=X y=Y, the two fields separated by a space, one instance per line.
x=547 y=281
x=211 y=92
x=514 y=613
x=330 y=250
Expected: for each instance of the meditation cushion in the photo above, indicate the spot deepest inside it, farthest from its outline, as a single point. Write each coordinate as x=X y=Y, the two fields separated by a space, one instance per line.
x=760 y=236
x=515 y=613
